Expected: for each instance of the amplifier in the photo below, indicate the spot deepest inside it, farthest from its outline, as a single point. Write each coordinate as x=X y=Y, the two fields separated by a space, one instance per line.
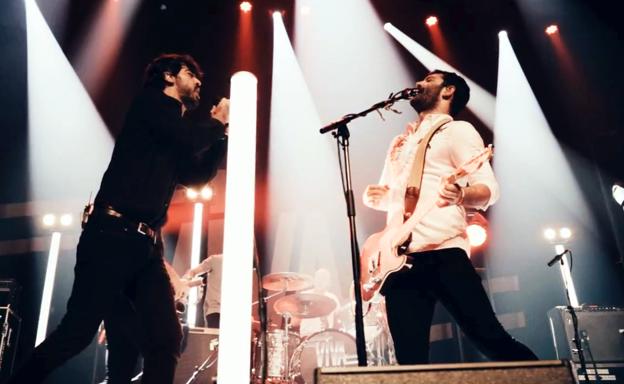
x=524 y=372
x=600 y=328
x=9 y=335
x=9 y=293
x=201 y=347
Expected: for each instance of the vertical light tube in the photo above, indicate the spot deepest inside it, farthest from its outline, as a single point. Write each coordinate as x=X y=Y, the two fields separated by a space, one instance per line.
x=191 y=314
x=566 y=275
x=238 y=236
x=48 y=287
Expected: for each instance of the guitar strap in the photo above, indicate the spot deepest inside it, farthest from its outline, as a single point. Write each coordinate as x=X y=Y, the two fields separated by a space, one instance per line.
x=414 y=183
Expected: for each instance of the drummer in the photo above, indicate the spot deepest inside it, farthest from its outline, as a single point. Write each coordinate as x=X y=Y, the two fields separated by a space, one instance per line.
x=322 y=282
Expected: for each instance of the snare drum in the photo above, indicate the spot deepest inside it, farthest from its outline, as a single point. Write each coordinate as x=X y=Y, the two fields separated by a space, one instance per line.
x=279 y=351
x=329 y=348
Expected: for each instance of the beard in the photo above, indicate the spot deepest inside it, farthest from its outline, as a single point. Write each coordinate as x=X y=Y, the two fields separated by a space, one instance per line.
x=426 y=100
x=190 y=99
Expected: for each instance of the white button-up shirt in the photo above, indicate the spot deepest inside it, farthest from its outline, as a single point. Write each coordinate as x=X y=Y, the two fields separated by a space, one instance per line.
x=451 y=146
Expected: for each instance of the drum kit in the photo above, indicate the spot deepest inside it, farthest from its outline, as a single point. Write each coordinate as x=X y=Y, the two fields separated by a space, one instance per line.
x=291 y=358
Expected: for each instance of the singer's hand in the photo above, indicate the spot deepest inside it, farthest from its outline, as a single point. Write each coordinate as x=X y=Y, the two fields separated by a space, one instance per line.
x=374 y=194
x=221 y=111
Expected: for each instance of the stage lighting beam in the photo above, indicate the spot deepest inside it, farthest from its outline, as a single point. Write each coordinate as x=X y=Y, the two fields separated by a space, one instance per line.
x=482 y=103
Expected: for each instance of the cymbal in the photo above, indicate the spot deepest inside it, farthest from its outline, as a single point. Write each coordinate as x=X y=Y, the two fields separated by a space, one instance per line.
x=305 y=305
x=286 y=281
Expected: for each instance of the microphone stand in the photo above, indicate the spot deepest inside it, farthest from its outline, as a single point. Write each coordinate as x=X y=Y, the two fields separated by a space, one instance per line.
x=570 y=308
x=342 y=135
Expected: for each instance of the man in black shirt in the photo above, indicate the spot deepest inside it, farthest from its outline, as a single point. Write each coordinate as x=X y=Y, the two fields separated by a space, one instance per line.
x=119 y=252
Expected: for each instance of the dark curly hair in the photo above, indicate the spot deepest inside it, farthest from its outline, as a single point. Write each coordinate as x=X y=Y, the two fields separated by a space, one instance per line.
x=462 y=91
x=168 y=62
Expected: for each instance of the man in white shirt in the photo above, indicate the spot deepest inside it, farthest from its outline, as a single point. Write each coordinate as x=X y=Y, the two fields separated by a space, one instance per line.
x=439 y=267
x=212 y=304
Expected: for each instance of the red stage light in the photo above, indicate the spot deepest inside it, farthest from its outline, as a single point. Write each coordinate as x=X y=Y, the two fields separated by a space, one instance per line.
x=552 y=29
x=245 y=6
x=477 y=229
x=431 y=21
x=476 y=235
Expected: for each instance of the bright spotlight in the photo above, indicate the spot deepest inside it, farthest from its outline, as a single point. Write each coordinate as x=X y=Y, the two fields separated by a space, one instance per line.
x=476 y=235
x=48 y=220
x=191 y=194
x=552 y=29
x=431 y=21
x=502 y=34
x=277 y=14
x=207 y=193
x=387 y=26
x=565 y=233
x=245 y=6
x=66 y=219
x=618 y=194
x=550 y=234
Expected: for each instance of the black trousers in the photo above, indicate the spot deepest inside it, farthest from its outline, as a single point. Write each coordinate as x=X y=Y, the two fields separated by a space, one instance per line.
x=123 y=342
x=448 y=276
x=110 y=262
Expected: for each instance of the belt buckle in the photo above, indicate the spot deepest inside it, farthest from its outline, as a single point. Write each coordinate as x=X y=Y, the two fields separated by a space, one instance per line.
x=142 y=229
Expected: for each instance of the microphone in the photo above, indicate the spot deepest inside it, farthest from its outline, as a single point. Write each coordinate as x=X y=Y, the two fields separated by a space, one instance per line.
x=408 y=93
x=557 y=258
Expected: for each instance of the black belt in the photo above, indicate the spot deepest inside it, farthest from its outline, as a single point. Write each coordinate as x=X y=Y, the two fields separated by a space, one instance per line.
x=127 y=223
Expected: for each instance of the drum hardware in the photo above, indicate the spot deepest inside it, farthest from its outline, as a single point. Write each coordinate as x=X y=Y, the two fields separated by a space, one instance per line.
x=305 y=305
x=209 y=362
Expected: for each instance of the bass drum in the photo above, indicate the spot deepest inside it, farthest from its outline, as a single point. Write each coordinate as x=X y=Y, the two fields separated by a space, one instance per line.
x=329 y=348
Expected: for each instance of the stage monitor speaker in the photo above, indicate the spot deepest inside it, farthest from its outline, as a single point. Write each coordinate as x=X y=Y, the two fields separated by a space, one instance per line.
x=523 y=372
x=601 y=329
x=200 y=347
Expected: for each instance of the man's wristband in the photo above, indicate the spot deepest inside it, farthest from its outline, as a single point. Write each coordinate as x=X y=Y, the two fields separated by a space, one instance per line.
x=462 y=194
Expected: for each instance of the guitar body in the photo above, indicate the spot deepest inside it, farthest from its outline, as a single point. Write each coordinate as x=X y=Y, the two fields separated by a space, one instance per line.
x=378 y=259
x=380 y=254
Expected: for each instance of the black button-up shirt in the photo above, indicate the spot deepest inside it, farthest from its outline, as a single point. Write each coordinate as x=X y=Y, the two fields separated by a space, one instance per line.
x=156 y=150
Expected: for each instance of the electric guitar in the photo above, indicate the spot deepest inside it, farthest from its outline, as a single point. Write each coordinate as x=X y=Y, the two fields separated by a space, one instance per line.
x=380 y=256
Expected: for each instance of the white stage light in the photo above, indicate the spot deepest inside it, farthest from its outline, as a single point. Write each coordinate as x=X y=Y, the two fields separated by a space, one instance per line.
x=550 y=234
x=48 y=288
x=196 y=243
x=565 y=233
x=207 y=192
x=191 y=194
x=618 y=194
x=66 y=220
x=48 y=220
x=238 y=233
